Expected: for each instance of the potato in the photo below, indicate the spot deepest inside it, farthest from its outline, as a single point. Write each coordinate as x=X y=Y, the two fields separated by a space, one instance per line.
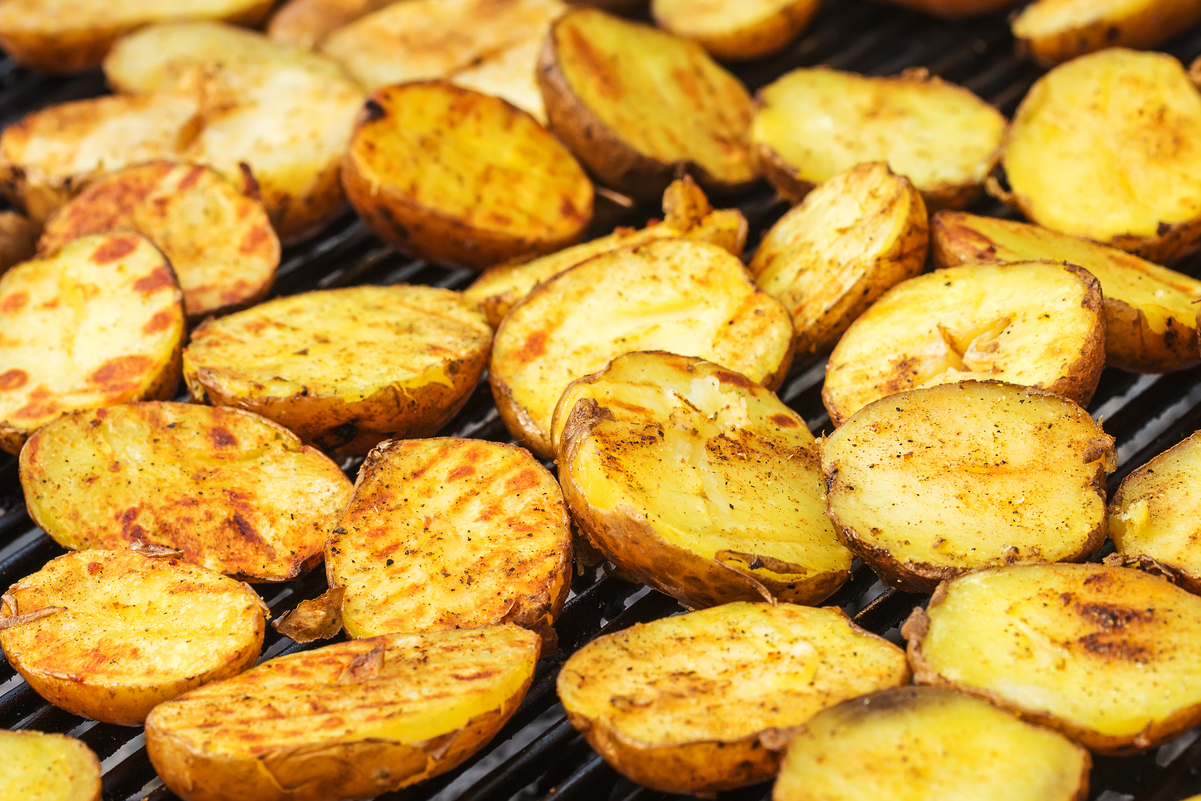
x=1106 y=655
x=99 y=323
x=350 y=720
x=1108 y=147
x=129 y=632
x=686 y=215
x=928 y=484
x=345 y=368
x=451 y=534
x=218 y=240
x=1150 y=311
x=639 y=106
x=691 y=298
x=1032 y=323
x=694 y=480
x=845 y=245
x=926 y=742
x=416 y=174
x=736 y=31
x=306 y=23
x=686 y=704
x=1052 y=31
x=18 y=239
x=814 y=123
x=956 y=8
x=47 y=767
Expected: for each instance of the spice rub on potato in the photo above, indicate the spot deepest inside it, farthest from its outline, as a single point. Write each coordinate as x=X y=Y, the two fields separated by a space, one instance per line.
x=306 y=23
x=734 y=30
x=1052 y=31
x=123 y=632
x=47 y=767
x=229 y=490
x=351 y=720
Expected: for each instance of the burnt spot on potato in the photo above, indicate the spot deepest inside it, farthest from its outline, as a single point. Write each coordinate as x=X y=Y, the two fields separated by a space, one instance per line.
x=156 y=280
x=14 y=378
x=114 y=248
x=121 y=372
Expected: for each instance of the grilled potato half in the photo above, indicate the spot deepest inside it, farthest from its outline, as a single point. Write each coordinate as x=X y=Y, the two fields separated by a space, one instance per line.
x=686 y=704
x=351 y=720
x=815 y=123
x=451 y=534
x=1032 y=323
x=928 y=484
x=47 y=767
x=127 y=632
x=227 y=489
x=736 y=31
x=934 y=743
x=1052 y=31
x=306 y=23
x=345 y=368
x=99 y=323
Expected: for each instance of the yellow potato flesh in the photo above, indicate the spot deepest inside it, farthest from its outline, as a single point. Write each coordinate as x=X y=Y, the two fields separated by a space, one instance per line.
x=306 y=23
x=1057 y=30
x=735 y=30
x=47 y=767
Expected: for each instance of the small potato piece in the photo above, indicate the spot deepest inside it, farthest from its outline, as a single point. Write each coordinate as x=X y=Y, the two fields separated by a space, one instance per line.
x=99 y=323
x=416 y=174
x=1106 y=655
x=480 y=537
x=346 y=368
x=956 y=8
x=694 y=480
x=306 y=23
x=1052 y=31
x=925 y=743
x=131 y=632
x=734 y=30
x=218 y=240
x=815 y=123
x=47 y=767
x=638 y=105
x=683 y=297
x=845 y=245
x=927 y=484
x=684 y=704
x=18 y=239
x=351 y=720
x=1031 y=323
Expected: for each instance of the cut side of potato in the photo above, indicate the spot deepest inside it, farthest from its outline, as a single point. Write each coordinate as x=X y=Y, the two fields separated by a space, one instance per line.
x=99 y=323
x=1032 y=323
x=845 y=245
x=928 y=484
x=306 y=23
x=686 y=704
x=47 y=767
x=694 y=480
x=130 y=632
x=1052 y=31
x=815 y=123
x=351 y=720
x=229 y=490
x=451 y=534
x=1107 y=655
x=927 y=742
x=736 y=31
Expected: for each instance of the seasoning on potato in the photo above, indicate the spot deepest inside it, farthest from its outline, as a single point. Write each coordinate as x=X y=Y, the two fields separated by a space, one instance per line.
x=735 y=30
x=306 y=23
x=47 y=767
x=1052 y=31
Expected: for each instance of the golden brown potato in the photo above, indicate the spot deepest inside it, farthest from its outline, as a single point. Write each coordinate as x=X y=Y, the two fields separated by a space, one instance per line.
x=351 y=720
x=733 y=29
x=306 y=23
x=1052 y=31
x=127 y=636
x=956 y=8
x=18 y=239
x=47 y=767
x=685 y=704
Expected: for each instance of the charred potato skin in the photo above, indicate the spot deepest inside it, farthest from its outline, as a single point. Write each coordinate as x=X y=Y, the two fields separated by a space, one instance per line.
x=1146 y=28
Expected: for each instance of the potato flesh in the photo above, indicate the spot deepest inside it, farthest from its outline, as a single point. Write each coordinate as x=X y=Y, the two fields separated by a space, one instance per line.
x=306 y=23
x=1057 y=30
x=47 y=767
x=735 y=30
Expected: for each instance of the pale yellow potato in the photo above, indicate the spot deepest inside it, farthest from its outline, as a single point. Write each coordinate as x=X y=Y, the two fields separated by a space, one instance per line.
x=690 y=704
x=736 y=30
x=1051 y=31
x=99 y=323
x=47 y=767
x=1106 y=655
x=1036 y=324
x=814 y=123
x=130 y=632
x=349 y=721
x=306 y=23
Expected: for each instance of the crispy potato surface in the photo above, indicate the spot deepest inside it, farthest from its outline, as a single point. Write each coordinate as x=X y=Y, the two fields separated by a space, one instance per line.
x=130 y=632
x=351 y=720
x=1052 y=31
x=231 y=491
x=306 y=23
x=684 y=704
x=736 y=31
x=47 y=767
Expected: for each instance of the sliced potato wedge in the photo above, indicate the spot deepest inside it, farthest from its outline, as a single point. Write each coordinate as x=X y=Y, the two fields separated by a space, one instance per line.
x=736 y=31
x=306 y=23
x=351 y=720
x=956 y=8
x=684 y=704
x=47 y=767
x=1052 y=31
x=130 y=632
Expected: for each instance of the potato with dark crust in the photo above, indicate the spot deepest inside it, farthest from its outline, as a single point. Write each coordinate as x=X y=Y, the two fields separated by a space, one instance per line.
x=1052 y=31
x=306 y=23
x=47 y=767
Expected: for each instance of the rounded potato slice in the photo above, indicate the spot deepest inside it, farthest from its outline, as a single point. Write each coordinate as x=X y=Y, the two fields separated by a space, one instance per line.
x=1107 y=655
x=638 y=105
x=933 y=743
x=219 y=241
x=733 y=30
x=1052 y=31
x=685 y=704
x=306 y=23
x=129 y=632
x=451 y=533
x=1031 y=323
x=927 y=484
x=101 y=322
x=845 y=245
x=351 y=720
x=694 y=480
x=47 y=767
x=683 y=297
x=347 y=368
x=815 y=123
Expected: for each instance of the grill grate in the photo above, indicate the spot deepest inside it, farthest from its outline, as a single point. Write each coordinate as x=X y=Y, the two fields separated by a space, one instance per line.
x=539 y=755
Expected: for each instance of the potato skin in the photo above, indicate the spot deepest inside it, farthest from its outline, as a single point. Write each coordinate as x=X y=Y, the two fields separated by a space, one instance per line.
x=1143 y=26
